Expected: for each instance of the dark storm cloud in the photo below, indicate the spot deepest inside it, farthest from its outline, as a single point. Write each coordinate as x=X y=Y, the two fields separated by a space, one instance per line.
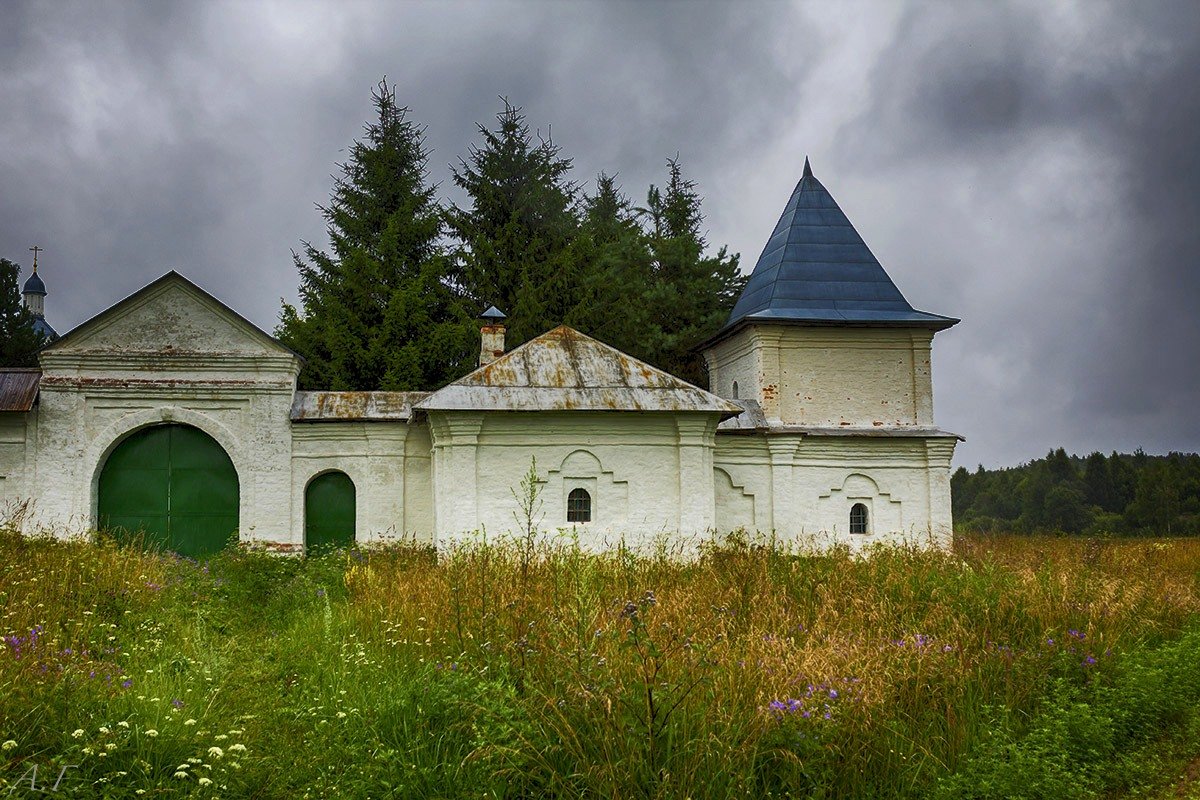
x=1028 y=167
x=1063 y=140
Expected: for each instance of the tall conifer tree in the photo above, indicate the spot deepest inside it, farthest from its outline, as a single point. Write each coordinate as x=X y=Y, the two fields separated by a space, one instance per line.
x=692 y=293
x=18 y=339
x=516 y=235
x=379 y=311
x=615 y=271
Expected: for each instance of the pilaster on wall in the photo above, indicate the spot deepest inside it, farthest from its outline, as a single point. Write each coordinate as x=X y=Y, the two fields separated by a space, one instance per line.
x=768 y=344
x=941 y=520
x=455 y=476
x=922 y=359
x=697 y=504
x=784 y=501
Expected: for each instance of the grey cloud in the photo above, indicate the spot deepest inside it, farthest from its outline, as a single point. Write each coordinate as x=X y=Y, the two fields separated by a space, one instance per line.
x=1028 y=168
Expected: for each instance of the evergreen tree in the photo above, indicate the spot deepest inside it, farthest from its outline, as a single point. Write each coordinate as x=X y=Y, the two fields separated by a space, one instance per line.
x=692 y=293
x=615 y=271
x=1098 y=480
x=516 y=237
x=19 y=341
x=380 y=311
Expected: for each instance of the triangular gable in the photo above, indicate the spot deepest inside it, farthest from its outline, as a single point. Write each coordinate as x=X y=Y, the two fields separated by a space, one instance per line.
x=565 y=370
x=169 y=315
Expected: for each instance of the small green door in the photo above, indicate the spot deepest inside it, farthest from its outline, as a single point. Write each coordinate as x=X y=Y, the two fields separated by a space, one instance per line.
x=174 y=485
x=329 y=512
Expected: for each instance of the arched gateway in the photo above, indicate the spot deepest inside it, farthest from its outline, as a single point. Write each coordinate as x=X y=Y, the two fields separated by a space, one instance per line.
x=175 y=485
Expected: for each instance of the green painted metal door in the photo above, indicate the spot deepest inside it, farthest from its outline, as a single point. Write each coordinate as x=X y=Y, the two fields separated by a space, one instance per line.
x=329 y=512
x=174 y=485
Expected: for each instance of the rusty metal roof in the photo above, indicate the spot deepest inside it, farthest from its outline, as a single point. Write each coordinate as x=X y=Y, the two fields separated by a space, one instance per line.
x=752 y=417
x=18 y=388
x=354 y=406
x=564 y=370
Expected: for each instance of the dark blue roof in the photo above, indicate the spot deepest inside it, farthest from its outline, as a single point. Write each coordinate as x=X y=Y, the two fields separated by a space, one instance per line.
x=43 y=328
x=817 y=270
x=34 y=285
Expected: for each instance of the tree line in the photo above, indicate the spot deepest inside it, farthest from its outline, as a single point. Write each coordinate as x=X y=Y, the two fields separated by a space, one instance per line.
x=392 y=304
x=1132 y=494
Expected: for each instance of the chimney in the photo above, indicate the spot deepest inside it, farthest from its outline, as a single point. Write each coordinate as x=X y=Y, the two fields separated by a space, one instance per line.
x=492 y=336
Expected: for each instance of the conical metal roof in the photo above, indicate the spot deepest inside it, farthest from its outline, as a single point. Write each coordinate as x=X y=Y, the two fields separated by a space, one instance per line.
x=817 y=270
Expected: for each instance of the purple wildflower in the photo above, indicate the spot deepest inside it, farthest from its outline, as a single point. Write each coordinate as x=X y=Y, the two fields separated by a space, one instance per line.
x=125 y=684
x=177 y=703
x=1087 y=662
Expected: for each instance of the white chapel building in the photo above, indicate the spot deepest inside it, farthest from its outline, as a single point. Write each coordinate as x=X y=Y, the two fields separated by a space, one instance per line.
x=171 y=415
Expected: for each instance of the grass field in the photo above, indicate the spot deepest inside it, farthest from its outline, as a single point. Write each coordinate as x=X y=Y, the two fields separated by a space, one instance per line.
x=1012 y=667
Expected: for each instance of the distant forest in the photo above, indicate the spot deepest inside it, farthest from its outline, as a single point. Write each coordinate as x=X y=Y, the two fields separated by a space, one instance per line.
x=1129 y=494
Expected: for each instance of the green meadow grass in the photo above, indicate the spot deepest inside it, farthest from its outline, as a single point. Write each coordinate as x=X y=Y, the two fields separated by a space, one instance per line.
x=1011 y=667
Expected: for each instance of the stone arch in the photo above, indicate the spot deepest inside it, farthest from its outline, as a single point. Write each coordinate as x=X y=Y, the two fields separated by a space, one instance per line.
x=883 y=511
x=580 y=463
x=111 y=437
x=333 y=520
x=582 y=469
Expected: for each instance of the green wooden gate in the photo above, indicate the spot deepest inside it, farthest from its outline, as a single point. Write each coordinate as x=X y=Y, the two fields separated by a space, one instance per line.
x=174 y=485
x=329 y=512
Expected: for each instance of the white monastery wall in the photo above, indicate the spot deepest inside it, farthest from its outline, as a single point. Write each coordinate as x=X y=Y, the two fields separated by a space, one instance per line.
x=829 y=377
x=802 y=487
x=145 y=367
x=647 y=473
x=375 y=457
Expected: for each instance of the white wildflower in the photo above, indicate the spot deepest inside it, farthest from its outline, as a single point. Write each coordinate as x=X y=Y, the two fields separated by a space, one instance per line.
x=77 y=734
x=104 y=729
x=123 y=724
x=181 y=775
x=237 y=748
x=216 y=752
x=189 y=722
x=151 y=733
x=205 y=781
x=9 y=745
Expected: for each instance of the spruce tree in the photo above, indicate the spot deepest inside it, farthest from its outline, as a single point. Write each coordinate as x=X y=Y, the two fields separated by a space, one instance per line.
x=19 y=341
x=616 y=271
x=515 y=238
x=692 y=293
x=379 y=311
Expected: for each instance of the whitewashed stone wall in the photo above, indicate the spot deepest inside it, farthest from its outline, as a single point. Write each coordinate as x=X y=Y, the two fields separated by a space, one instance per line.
x=831 y=377
x=388 y=463
x=802 y=487
x=647 y=473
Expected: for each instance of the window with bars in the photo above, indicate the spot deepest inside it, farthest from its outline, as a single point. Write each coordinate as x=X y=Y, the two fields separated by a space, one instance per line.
x=858 y=518
x=579 y=506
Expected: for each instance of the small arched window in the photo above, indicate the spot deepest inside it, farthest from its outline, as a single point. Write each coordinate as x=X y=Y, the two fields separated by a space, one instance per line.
x=579 y=506
x=735 y=390
x=858 y=518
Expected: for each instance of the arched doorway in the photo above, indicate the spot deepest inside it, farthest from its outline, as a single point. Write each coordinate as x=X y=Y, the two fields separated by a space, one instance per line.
x=329 y=510
x=174 y=485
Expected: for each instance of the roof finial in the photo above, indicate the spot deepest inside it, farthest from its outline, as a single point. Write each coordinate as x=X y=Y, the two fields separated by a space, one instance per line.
x=807 y=168
x=35 y=250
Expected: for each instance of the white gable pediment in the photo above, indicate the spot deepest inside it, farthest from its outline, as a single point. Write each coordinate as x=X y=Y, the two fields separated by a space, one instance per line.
x=171 y=316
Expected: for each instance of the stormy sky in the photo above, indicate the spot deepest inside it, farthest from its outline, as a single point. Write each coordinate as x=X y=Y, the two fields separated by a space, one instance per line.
x=1031 y=167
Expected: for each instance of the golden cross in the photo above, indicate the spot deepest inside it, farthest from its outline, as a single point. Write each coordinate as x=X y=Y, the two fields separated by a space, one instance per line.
x=35 y=250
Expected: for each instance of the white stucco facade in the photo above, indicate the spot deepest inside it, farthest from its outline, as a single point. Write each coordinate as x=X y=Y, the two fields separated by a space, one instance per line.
x=822 y=420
